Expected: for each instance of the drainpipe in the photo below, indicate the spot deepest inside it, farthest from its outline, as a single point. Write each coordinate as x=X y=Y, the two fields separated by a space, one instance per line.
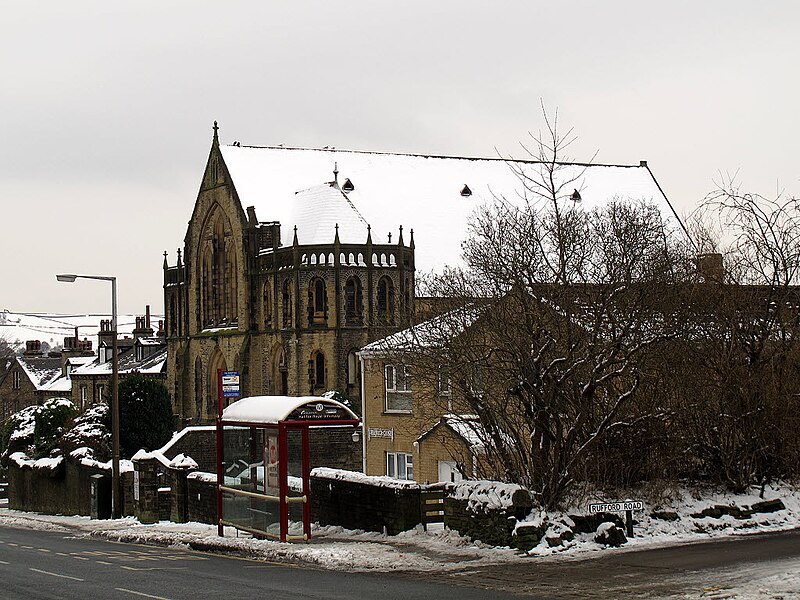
x=363 y=417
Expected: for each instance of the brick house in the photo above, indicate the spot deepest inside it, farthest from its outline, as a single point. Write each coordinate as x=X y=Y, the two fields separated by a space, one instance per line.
x=35 y=376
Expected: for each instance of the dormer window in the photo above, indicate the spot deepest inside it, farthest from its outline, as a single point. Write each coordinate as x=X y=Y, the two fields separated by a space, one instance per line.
x=465 y=191
x=348 y=186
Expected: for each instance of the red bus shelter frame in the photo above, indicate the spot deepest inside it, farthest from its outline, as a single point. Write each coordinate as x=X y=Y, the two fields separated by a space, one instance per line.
x=282 y=427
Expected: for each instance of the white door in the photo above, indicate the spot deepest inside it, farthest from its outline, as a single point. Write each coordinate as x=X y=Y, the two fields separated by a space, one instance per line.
x=448 y=471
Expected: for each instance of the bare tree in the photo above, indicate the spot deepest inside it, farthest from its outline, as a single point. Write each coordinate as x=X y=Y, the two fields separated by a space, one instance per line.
x=747 y=350
x=549 y=322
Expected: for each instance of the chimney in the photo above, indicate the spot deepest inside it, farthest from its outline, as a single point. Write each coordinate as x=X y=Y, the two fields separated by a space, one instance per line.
x=143 y=328
x=710 y=267
x=104 y=336
x=33 y=348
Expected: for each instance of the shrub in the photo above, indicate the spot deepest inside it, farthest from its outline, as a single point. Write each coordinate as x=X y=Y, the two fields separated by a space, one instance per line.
x=50 y=419
x=145 y=414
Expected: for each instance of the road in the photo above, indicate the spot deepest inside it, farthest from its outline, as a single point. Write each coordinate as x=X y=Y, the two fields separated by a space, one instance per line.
x=46 y=564
x=723 y=568
x=51 y=565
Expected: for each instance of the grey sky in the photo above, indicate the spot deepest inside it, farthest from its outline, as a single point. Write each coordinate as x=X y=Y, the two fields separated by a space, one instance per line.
x=107 y=107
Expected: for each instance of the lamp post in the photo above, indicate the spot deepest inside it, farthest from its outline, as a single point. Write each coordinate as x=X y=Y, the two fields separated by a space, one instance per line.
x=116 y=495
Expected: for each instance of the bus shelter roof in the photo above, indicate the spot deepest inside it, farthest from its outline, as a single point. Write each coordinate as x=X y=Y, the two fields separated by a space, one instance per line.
x=269 y=410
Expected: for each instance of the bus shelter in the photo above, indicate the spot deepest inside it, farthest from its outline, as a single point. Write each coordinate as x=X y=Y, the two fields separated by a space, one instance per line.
x=263 y=462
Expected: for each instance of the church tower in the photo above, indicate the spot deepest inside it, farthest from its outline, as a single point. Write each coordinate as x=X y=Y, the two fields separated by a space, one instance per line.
x=287 y=301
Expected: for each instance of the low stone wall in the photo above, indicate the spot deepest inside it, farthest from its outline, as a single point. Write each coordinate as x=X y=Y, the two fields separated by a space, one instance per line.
x=486 y=511
x=355 y=501
x=65 y=490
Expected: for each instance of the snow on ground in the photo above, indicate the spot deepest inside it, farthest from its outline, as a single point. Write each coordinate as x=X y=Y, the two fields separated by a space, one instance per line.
x=443 y=550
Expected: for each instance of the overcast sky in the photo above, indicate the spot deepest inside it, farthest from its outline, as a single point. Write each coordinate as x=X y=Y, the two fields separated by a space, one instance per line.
x=107 y=107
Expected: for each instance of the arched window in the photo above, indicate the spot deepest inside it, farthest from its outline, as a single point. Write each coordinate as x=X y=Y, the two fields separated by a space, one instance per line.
x=217 y=273
x=267 y=305
x=385 y=300
x=317 y=302
x=352 y=301
x=317 y=372
x=286 y=302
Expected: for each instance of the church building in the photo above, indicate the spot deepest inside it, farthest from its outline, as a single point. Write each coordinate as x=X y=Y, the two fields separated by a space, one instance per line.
x=295 y=258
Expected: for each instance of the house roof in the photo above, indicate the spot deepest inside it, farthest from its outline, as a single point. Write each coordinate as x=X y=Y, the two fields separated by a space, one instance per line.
x=467 y=427
x=153 y=364
x=419 y=192
x=426 y=334
x=40 y=370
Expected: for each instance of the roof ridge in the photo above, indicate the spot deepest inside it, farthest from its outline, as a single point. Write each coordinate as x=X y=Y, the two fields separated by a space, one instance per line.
x=439 y=156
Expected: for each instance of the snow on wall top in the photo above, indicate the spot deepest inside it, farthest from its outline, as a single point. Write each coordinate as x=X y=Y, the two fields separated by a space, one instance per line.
x=423 y=193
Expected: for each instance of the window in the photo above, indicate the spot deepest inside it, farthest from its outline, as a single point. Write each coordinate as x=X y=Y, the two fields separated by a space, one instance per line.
x=99 y=392
x=267 y=304
x=385 y=300
x=443 y=381
x=399 y=465
x=317 y=302
x=398 y=388
x=352 y=301
x=317 y=368
x=16 y=380
x=352 y=368
x=286 y=302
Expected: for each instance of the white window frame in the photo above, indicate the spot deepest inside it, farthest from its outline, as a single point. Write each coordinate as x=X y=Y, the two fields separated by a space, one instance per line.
x=16 y=380
x=443 y=377
x=397 y=385
x=400 y=465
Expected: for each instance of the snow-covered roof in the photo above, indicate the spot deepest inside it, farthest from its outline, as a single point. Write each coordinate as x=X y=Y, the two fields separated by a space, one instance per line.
x=423 y=193
x=41 y=370
x=153 y=364
x=426 y=334
x=271 y=409
x=318 y=210
x=468 y=427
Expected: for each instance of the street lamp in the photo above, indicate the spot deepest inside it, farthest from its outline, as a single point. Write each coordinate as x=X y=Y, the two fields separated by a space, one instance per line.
x=116 y=495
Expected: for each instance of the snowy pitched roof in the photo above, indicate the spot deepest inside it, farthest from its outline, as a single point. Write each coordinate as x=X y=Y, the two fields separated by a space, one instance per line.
x=40 y=370
x=467 y=427
x=153 y=364
x=426 y=334
x=423 y=193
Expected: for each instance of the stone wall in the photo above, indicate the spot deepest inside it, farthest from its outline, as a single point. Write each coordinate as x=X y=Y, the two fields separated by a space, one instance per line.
x=486 y=511
x=63 y=491
x=371 y=506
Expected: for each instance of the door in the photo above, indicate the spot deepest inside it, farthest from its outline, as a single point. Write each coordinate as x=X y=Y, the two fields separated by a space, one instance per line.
x=448 y=471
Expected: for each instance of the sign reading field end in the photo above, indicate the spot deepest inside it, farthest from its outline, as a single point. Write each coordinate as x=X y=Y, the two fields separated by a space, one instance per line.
x=603 y=507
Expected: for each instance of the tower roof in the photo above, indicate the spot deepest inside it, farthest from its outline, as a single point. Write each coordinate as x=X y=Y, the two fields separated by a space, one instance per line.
x=318 y=210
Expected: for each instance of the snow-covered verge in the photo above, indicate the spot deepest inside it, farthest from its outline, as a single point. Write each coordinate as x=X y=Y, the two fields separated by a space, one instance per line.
x=678 y=520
